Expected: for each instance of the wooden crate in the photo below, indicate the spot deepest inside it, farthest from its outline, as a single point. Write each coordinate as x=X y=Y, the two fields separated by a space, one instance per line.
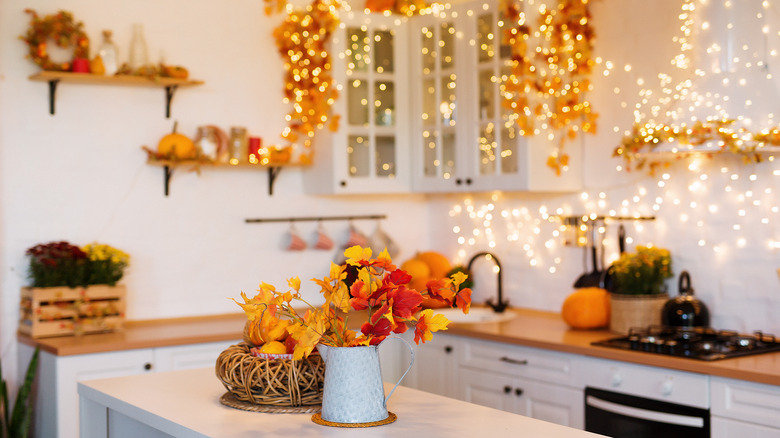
x=63 y=311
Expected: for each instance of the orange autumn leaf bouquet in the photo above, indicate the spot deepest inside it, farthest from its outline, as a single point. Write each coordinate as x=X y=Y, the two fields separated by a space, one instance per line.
x=373 y=285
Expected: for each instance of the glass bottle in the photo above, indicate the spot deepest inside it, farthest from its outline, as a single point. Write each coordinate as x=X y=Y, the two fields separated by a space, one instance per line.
x=139 y=53
x=109 y=54
x=238 y=145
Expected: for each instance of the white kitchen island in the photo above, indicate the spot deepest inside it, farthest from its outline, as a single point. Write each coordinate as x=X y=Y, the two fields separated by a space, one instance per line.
x=186 y=404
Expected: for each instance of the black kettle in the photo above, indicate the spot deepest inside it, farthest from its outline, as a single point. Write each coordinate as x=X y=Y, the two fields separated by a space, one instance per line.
x=685 y=310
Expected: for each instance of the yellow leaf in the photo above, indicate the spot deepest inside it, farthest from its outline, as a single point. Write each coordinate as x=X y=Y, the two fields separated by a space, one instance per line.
x=294 y=283
x=458 y=278
x=357 y=253
x=437 y=321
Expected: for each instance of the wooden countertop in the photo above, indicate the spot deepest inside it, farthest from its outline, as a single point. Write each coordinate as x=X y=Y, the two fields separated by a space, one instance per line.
x=530 y=328
x=146 y=334
x=547 y=330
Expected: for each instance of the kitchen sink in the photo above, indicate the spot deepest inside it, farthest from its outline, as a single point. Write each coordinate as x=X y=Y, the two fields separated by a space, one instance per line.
x=476 y=315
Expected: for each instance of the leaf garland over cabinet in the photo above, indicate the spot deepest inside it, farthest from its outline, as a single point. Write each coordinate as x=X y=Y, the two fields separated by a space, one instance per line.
x=541 y=85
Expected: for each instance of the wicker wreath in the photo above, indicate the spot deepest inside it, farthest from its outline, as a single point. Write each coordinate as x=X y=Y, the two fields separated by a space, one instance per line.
x=271 y=382
x=60 y=27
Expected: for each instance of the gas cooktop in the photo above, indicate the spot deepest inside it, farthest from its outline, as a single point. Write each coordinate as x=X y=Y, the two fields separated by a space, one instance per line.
x=702 y=343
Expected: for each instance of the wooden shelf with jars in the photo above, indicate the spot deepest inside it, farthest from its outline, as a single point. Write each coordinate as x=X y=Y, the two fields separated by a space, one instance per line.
x=54 y=78
x=169 y=166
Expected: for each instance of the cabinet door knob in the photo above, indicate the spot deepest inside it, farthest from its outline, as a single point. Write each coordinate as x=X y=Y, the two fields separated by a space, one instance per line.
x=343 y=183
x=507 y=389
x=514 y=361
x=448 y=349
x=518 y=392
x=458 y=181
x=468 y=181
x=147 y=366
x=667 y=386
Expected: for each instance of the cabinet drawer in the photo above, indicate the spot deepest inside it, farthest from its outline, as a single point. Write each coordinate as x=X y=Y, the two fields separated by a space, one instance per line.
x=728 y=428
x=649 y=382
x=518 y=361
x=746 y=401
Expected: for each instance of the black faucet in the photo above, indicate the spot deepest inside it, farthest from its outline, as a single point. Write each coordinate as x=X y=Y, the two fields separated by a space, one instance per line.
x=501 y=305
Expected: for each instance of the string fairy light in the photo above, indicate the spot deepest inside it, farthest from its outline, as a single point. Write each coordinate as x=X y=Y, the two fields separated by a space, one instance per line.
x=683 y=120
x=550 y=66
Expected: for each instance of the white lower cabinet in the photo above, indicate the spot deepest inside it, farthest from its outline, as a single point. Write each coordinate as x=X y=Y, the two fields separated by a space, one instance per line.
x=744 y=409
x=527 y=381
x=57 y=404
x=435 y=366
x=543 y=401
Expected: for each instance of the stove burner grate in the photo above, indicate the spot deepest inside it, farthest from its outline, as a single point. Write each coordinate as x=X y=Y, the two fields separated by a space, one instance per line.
x=703 y=343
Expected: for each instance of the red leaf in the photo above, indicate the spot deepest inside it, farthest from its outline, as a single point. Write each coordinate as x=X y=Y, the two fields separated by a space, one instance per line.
x=405 y=301
x=398 y=277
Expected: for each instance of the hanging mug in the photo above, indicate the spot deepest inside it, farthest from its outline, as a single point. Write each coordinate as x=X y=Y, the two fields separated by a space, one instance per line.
x=324 y=241
x=296 y=242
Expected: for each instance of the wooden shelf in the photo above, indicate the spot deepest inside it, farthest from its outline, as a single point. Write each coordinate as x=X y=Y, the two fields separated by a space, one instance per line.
x=670 y=154
x=169 y=165
x=169 y=84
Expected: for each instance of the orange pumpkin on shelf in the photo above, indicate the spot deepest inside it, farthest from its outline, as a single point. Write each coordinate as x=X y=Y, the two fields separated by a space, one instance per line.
x=586 y=308
x=177 y=146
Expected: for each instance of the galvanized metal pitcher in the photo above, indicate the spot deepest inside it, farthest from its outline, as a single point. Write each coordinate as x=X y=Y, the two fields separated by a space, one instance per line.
x=353 y=391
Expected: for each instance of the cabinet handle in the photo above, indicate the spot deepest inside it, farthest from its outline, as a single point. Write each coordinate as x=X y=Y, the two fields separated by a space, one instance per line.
x=147 y=366
x=468 y=181
x=518 y=392
x=458 y=181
x=448 y=349
x=343 y=183
x=507 y=389
x=514 y=361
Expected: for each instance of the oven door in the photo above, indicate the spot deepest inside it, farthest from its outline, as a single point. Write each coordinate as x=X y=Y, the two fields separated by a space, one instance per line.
x=625 y=416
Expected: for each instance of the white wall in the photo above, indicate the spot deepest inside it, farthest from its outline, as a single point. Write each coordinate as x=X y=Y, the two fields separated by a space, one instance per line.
x=81 y=176
x=728 y=254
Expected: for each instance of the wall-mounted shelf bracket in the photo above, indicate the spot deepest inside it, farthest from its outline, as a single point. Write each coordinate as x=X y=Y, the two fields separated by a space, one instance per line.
x=170 y=90
x=273 y=172
x=168 y=172
x=52 y=94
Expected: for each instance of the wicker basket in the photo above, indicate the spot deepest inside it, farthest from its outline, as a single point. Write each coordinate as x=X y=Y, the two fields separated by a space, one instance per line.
x=627 y=311
x=271 y=382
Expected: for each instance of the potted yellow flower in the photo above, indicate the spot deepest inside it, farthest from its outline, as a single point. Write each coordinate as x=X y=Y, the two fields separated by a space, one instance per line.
x=378 y=293
x=639 y=291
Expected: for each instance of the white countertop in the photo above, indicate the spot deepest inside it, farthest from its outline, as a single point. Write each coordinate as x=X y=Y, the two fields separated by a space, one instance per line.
x=186 y=404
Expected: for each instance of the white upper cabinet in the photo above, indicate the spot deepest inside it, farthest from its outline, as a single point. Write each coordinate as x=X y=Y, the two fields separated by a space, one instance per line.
x=369 y=153
x=463 y=139
x=421 y=109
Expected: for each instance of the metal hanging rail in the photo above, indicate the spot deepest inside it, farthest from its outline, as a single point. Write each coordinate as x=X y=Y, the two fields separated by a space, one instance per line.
x=317 y=218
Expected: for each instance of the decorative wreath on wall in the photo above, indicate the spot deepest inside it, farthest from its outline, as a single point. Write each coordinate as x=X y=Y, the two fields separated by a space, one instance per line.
x=63 y=30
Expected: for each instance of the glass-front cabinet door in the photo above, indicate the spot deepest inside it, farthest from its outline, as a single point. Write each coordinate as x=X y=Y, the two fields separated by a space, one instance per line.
x=436 y=114
x=369 y=152
x=464 y=138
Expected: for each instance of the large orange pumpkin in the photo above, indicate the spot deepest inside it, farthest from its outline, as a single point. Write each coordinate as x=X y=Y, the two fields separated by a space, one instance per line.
x=586 y=308
x=419 y=271
x=438 y=263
